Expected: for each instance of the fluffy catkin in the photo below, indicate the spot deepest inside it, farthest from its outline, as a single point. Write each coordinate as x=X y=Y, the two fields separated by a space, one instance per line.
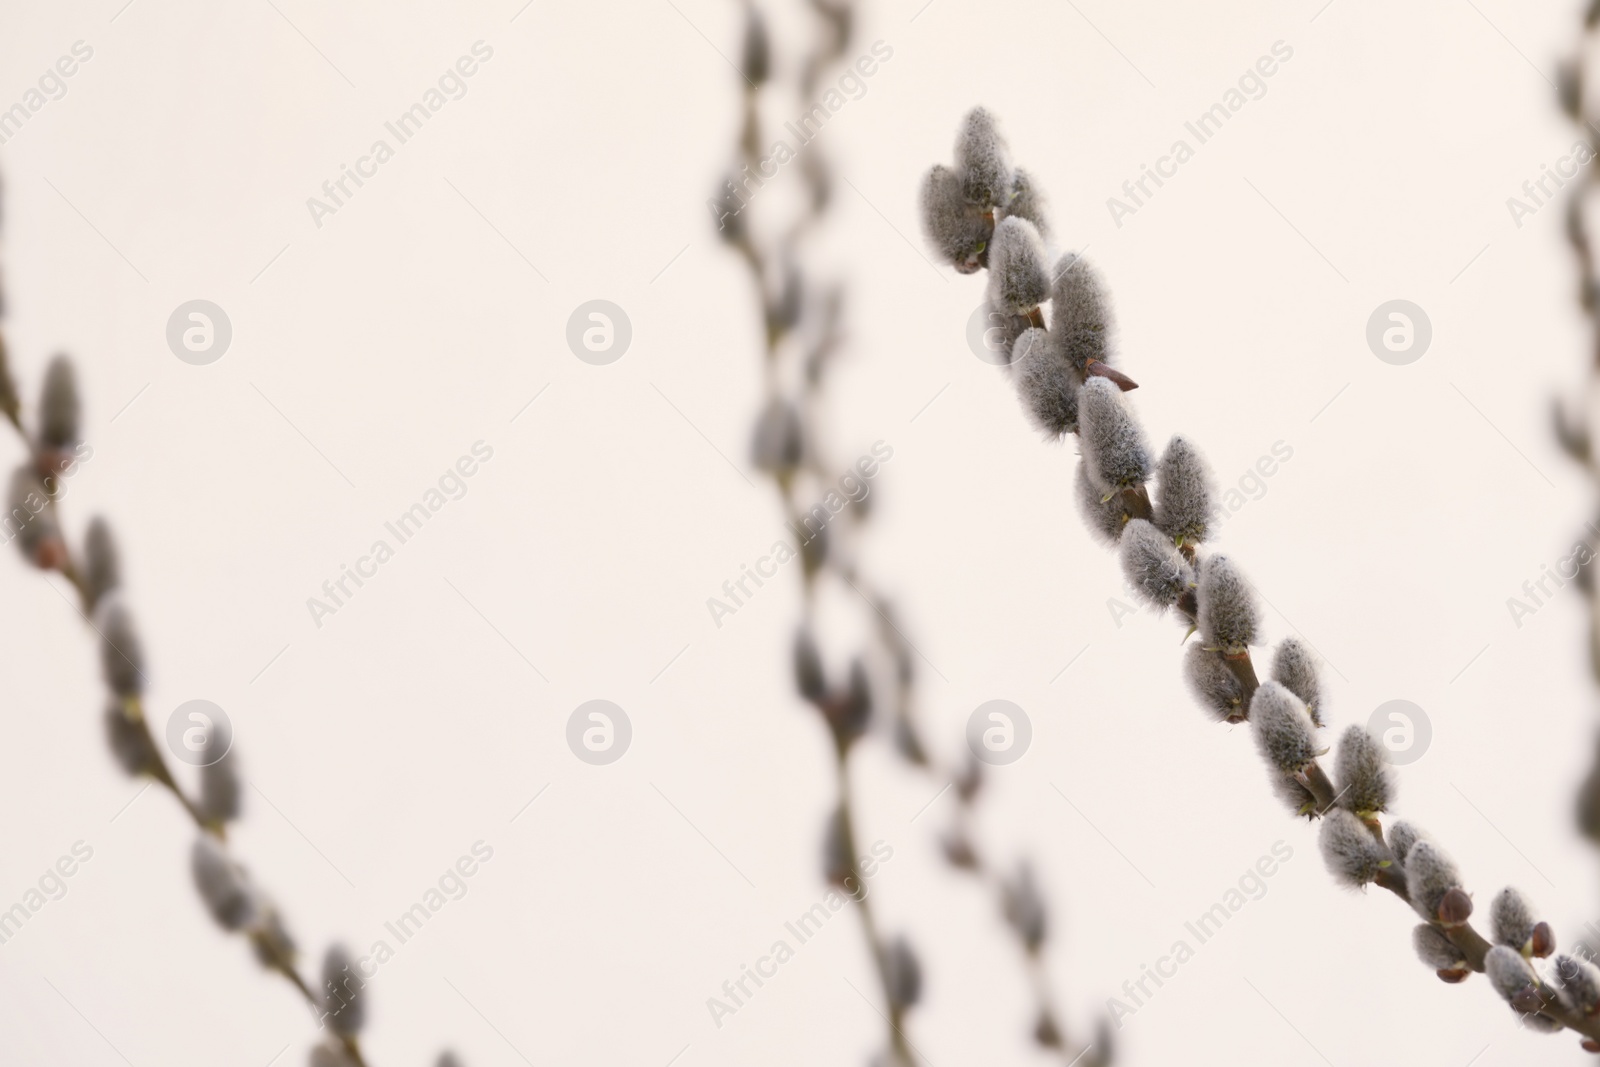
x=1285 y=734
x=1579 y=981
x=1508 y=972
x=1153 y=566
x=102 y=569
x=1184 y=497
x=902 y=973
x=777 y=444
x=1047 y=387
x=1081 y=324
x=1402 y=836
x=1216 y=687
x=1362 y=773
x=957 y=230
x=756 y=60
x=346 y=1007
x=121 y=656
x=808 y=674
x=1354 y=857
x=1296 y=797
x=58 y=406
x=1511 y=919
x=983 y=161
x=1435 y=949
x=1024 y=908
x=130 y=742
x=222 y=884
x=31 y=512
x=1027 y=202
x=1105 y=518
x=219 y=787
x=1018 y=280
x=1229 y=616
x=1295 y=665
x=1429 y=876
x=1111 y=440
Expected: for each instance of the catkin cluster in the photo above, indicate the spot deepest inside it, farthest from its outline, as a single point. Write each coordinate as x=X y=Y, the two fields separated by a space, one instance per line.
x=1158 y=512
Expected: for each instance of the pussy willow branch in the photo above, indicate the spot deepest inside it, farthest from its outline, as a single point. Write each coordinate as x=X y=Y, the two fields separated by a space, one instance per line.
x=985 y=215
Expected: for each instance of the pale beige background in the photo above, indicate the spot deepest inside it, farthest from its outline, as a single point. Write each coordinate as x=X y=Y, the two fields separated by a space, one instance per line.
x=406 y=328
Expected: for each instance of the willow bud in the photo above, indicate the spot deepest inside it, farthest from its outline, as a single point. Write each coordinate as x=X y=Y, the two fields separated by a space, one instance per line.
x=1018 y=280
x=1218 y=689
x=1295 y=665
x=1153 y=565
x=1111 y=440
x=983 y=160
x=1365 y=781
x=1353 y=856
x=1229 y=617
x=1081 y=323
x=1184 y=504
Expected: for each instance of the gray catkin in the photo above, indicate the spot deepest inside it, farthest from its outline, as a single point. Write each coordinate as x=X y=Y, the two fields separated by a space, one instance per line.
x=756 y=60
x=777 y=444
x=269 y=938
x=346 y=1007
x=102 y=569
x=1285 y=734
x=220 y=789
x=331 y=1054
x=1353 y=856
x=1110 y=438
x=1185 y=495
x=838 y=865
x=1153 y=565
x=1435 y=949
x=1027 y=202
x=1295 y=665
x=121 y=655
x=1229 y=617
x=1361 y=772
x=1081 y=323
x=1024 y=908
x=130 y=743
x=223 y=886
x=1047 y=387
x=1011 y=328
x=983 y=160
x=448 y=1059
x=808 y=673
x=1508 y=972
x=1018 y=279
x=1430 y=874
x=1511 y=919
x=31 y=512
x=1402 y=836
x=1217 y=689
x=59 y=406
x=1579 y=983
x=1296 y=797
x=902 y=973
x=957 y=230
x=1105 y=518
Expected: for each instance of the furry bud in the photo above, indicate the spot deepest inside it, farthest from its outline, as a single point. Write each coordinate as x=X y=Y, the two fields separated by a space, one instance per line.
x=776 y=447
x=854 y=708
x=331 y=1053
x=1024 y=908
x=222 y=884
x=756 y=62
x=448 y=1059
x=345 y=1007
x=1430 y=875
x=1436 y=950
x=1402 y=835
x=1285 y=734
x=1216 y=687
x=1579 y=987
x=32 y=513
x=902 y=973
x=1111 y=440
x=808 y=674
x=1153 y=565
x=1569 y=88
x=1354 y=857
x=1296 y=797
x=1081 y=324
x=130 y=741
x=1018 y=280
x=1295 y=665
x=1027 y=202
x=59 y=407
x=983 y=160
x=838 y=865
x=1105 y=518
x=220 y=787
x=102 y=569
x=957 y=230
x=1047 y=387
x=121 y=656
x=1511 y=919
x=269 y=937
x=1183 y=498
x=1229 y=617
x=1508 y=972
x=1362 y=773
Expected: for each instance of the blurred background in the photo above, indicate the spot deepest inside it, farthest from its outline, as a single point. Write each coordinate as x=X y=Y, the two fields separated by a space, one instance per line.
x=374 y=345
